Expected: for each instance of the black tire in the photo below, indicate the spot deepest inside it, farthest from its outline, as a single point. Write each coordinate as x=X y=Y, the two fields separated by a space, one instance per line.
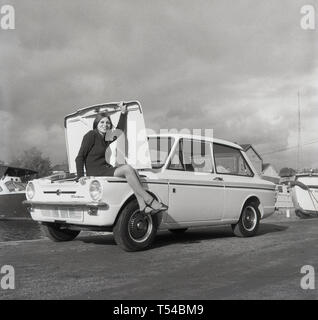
x=178 y=231
x=57 y=234
x=134 y=231
x=248 y=224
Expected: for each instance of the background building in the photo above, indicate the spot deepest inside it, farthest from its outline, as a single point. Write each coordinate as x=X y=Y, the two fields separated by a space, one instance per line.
x=266 y=170
x=255 y=158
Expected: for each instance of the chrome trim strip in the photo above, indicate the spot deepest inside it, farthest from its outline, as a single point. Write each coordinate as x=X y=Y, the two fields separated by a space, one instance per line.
x=59 y=192
x=220 y=184
x=65 y=204
x=253 y=188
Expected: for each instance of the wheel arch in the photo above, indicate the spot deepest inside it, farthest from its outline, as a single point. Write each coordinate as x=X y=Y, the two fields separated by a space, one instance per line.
x=131 y=197
x=253 y=198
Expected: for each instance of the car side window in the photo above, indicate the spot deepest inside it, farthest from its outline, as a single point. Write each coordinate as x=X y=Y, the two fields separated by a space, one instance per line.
x=176 y=162
x=192 y=155
x=229 y=160
x=10 y=186
x=19 y=186
x=159 y=148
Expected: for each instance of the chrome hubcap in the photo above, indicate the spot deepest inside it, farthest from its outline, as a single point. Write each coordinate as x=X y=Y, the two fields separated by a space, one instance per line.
x=140 y=226
x=249 y=218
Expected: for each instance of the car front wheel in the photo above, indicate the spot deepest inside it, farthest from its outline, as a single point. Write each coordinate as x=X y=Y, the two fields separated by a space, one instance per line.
x=133 y=230
x=56 y=233
x=248 y=224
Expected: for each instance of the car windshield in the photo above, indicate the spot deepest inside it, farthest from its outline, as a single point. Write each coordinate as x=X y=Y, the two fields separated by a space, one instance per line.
x=159 y=148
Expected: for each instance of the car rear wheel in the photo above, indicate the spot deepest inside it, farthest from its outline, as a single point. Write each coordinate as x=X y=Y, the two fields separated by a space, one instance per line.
x=248 y=224
x=178 y=231
x=56 y=233
x=133 y=230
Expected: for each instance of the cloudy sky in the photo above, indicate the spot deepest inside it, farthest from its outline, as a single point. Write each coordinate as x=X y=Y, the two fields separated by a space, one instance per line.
x=234 y=66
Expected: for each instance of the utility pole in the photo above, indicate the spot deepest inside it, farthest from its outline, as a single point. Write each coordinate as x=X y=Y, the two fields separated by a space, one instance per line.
x=299 y=135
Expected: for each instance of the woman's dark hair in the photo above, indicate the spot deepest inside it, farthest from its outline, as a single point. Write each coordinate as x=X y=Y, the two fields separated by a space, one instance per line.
x=99 y=117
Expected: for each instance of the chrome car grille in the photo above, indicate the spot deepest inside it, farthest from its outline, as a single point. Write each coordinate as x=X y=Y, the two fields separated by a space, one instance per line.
x=63 y=213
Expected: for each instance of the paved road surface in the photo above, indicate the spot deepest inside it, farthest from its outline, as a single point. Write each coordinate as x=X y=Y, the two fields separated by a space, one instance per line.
x=207 y=263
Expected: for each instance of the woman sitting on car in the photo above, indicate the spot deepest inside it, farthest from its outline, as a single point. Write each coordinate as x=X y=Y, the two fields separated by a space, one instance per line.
x=92 y=155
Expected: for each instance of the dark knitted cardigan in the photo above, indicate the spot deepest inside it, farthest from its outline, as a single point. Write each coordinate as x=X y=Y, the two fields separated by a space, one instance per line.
x=92 y=152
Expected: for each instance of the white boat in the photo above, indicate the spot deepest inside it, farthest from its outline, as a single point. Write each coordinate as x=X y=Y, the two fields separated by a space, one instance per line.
x=305 y=195
x=12 y=192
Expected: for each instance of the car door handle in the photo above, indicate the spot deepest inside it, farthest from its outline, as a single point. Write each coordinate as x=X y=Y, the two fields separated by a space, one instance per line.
x=218 y=179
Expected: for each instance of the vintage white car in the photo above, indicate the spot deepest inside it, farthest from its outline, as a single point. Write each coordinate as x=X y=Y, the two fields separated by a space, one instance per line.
x=204 y=181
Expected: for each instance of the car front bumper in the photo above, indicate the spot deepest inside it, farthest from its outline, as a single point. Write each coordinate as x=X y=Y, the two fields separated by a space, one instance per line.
x=81 y=213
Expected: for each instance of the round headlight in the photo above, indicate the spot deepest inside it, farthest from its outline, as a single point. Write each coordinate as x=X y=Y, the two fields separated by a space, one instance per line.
x=30 y=191
x=95 y=190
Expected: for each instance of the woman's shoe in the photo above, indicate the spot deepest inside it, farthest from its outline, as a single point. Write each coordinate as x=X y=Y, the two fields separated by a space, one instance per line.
x=154 y=211
x=144 y=211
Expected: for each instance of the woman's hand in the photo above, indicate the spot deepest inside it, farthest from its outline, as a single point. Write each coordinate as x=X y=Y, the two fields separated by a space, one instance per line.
x=81 y=180
x=123 y=108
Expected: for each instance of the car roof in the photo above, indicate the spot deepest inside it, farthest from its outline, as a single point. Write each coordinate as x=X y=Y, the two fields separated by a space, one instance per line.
x=197 y=137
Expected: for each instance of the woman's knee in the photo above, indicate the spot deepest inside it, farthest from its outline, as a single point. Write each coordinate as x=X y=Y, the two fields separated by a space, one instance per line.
x=127 y=169
x=121 y=171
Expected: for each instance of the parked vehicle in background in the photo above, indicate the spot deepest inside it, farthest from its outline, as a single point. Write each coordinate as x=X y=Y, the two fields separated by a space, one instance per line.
x=305 y=195
x=13 y=183
x=204 y=181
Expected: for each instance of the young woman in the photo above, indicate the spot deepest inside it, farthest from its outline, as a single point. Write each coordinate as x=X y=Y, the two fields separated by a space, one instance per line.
x=92 y=155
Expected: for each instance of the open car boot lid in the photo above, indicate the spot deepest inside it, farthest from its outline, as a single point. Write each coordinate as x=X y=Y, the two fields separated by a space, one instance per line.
x=131 y=146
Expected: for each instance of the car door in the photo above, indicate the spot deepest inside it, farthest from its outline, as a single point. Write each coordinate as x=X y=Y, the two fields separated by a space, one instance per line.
x=237 y=175
x=196 y=193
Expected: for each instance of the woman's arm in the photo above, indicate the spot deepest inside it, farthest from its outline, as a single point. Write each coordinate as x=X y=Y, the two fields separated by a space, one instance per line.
x=120 y=129
x=122 y=122
x=86 y=146
x=123 y=117
x=121 y=125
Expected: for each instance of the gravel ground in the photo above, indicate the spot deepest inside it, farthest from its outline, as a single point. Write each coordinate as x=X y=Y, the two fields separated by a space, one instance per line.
x=205 y=263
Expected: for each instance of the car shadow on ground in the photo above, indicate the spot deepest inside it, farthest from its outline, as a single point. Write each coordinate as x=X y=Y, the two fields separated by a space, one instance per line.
x=195 y=235
x=265 y=228
x=165 y=238
x=102 y=239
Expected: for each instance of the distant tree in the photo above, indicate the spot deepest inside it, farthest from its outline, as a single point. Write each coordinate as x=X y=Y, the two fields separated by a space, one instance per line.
x=287 y=172
x=33 y=159
x=2 y=162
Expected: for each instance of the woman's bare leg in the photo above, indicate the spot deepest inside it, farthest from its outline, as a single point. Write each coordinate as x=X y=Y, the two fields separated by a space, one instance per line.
x=140 y=201
x=129 y=173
